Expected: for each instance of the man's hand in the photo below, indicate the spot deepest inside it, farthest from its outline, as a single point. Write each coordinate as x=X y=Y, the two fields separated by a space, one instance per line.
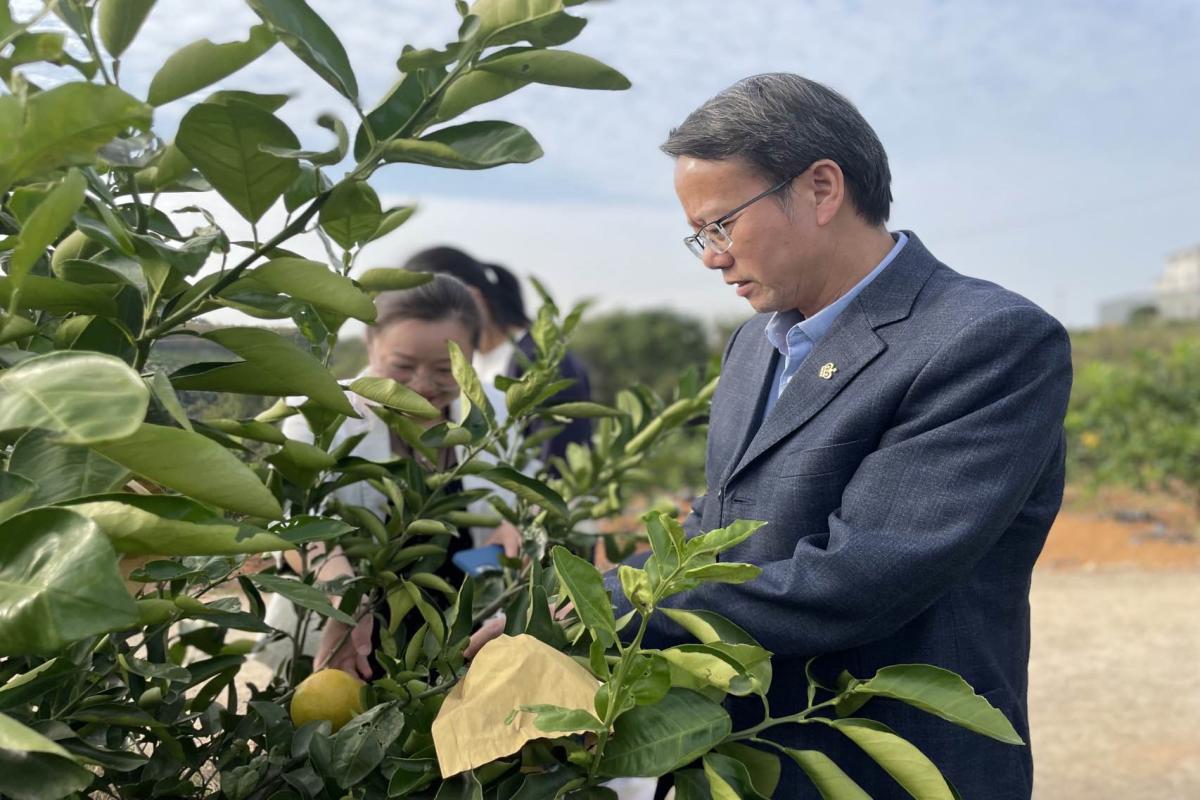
x=349 y=653
x=495 y=626
x=507 y=536
x=487 y=631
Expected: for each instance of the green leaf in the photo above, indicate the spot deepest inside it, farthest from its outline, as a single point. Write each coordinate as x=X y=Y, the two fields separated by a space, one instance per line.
x=828 y=777
x=172 y=526
x=762 y=767
x=267 y=102
x=636 y=586
x=84 y=397
x=61 y=126
x=106 y=269
x=708 y=626
x=584 y=584
x=387 y=392
x=652 y=685
x=302 y=594
x=225 y=143
x=352 y=214
x=528 y=489
x=203 y=63
x=29 y=48
x=58 y=582
x=556 y=68
x=432 y=617
x=249 y=429
x=33 y=767
x=724 y=572
x=728 y=778
x=321 y=158
x=652 y=740
x=60 y=297
x=119 y=22
x=16 y=327
x=944 y=693
x=473 y=145
x=397 y=112
x=308 y=184
x=193 y=465
x=464 y=786
x=306 y=528
x=540 y=22
x=557 y=719
x=722 y=539
x=725 y=666
x=307 y=35
x=272 y=365
x=44 y=225
x=15 y=493
x=666 y=541
x=160 y=386
x=474 y=89
x=62 y=471
x=358 y=748
x=468 y=381
x=900 y=758
x=582 y=410
x=384 y=279
x=172 y=171
x=393 y=218
x=315 y=283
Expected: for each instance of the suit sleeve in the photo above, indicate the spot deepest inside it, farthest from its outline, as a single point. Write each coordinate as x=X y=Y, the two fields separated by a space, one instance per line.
x=959 y=460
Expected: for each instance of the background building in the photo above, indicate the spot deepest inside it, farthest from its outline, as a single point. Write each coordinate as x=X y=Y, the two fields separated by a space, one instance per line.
x=1178 y=290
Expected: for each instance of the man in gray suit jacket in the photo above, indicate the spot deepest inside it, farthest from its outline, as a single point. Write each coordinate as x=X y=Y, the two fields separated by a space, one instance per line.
x=897 y=424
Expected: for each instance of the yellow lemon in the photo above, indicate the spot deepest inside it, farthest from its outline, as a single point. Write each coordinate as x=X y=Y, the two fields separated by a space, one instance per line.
x=329 y=694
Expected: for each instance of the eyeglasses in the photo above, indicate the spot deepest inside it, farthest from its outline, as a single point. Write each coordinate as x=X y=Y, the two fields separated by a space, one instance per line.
x=714 y=234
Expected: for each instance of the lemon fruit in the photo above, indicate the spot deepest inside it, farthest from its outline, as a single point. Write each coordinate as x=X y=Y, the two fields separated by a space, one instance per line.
x=328 y=694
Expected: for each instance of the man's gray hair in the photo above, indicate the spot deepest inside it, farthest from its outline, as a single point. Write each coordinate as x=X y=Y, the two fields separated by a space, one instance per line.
x=781 y=124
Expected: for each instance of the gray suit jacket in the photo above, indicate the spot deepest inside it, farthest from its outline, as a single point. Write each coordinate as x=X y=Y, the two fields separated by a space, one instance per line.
x=907 y=495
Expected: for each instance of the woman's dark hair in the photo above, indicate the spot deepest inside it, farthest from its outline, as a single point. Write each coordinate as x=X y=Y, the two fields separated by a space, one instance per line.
x=504 y=298
x=443 y=298
x=450 y=261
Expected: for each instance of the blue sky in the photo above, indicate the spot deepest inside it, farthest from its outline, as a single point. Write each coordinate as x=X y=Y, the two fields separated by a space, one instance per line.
x=1053 y=147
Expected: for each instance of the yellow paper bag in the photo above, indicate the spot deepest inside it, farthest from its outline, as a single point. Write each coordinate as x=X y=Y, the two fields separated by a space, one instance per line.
x=508 y=672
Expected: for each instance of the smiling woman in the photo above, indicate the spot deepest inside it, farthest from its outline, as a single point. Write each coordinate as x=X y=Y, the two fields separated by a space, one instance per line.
x=410 y=343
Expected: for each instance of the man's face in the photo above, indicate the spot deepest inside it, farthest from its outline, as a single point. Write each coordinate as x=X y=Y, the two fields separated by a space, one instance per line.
x=773 y=260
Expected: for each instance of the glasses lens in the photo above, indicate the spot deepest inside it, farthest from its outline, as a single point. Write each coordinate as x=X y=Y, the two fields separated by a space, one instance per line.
x=695 y=245
x=718 y=238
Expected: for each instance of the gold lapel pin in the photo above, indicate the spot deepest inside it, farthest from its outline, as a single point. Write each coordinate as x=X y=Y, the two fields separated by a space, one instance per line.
x=827 y=371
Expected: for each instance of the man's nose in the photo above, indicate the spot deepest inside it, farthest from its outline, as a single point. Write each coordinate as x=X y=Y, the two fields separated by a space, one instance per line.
x=714 y=260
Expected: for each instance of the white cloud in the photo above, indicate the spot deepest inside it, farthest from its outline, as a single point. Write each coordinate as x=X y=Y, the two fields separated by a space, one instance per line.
x=1050 y=146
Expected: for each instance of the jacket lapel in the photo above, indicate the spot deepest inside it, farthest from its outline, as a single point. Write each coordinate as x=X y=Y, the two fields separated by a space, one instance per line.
x=849 y=347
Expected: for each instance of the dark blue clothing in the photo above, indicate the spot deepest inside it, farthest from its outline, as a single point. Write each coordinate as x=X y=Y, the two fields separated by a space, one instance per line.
x=908 y=488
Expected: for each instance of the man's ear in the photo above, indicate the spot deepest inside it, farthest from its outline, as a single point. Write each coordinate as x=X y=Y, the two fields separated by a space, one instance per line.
x=829 y=189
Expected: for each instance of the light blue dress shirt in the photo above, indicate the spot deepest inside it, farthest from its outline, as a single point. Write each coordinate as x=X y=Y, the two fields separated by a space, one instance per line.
x=794 y=336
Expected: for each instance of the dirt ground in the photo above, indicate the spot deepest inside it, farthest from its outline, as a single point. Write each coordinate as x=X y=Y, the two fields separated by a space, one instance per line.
x=1114 y=708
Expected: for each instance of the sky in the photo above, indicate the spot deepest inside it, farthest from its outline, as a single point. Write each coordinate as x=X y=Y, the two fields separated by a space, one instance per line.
x=1052 y=147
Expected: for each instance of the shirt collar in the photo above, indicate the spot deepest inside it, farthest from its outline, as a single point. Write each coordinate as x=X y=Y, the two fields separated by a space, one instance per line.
x=786 y=325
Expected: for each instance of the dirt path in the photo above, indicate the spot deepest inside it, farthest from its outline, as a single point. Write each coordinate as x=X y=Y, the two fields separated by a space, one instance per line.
x=1114 y=707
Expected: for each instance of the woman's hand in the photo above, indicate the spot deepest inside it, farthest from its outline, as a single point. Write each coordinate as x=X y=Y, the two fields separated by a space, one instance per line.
x=346 y=648
x=507 y=536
